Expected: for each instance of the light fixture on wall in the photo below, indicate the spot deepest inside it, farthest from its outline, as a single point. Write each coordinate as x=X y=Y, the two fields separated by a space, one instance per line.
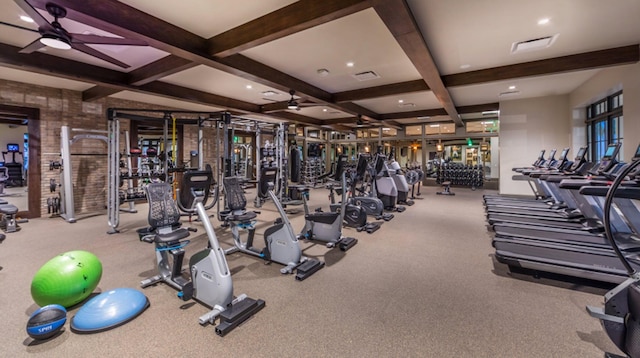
x=439 y=147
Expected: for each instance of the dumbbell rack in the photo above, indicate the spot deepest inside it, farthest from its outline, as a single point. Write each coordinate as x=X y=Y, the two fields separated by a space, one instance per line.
x=311 y=171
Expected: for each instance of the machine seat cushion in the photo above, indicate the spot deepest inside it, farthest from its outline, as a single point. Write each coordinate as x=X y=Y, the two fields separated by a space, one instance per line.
x=172 y=236
x=242 y=217
x=2 y=201
x=323 y=218
x=8 y=209
x=446 y=183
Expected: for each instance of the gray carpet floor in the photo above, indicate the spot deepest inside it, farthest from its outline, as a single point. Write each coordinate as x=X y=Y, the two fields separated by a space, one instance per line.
x=424 y=285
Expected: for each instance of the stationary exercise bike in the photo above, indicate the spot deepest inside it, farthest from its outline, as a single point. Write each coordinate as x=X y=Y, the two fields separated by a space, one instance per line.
x=281 y=243
x=209 y=279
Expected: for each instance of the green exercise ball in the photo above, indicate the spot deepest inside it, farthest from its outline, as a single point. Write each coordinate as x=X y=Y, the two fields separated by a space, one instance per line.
x=66 y=279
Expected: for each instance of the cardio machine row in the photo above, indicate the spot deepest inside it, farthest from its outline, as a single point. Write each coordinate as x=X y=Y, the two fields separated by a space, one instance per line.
x=560 y=229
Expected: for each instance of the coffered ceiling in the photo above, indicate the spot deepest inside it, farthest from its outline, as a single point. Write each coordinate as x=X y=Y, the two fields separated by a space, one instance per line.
x=389 y=62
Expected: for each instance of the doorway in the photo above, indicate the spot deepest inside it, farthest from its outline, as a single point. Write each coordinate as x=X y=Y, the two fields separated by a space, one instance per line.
x=29 y=141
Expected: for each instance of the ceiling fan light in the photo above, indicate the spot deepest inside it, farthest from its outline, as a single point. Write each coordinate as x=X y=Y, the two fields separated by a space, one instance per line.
x=55 y=42
x=292 y=105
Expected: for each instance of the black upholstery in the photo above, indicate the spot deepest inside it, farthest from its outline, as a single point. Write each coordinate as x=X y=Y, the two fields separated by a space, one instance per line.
x=163 y=210
x=198 y=181
x=236 y=201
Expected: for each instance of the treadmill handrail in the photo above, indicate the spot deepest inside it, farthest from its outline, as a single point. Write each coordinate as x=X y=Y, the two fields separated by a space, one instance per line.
x=607 y=216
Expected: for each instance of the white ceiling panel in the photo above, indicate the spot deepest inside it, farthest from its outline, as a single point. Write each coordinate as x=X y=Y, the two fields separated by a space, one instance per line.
x=207 y=79
x=391 y=104
x=207 y=18
x=361 y=38
x=480 y=33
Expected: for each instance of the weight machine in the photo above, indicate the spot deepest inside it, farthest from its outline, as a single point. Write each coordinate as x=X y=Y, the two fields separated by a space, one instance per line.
x=168 y=166
x=66 y=202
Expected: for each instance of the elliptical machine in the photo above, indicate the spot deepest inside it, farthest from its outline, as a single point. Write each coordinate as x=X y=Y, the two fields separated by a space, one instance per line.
x=384 y=187
x=355 y=216
x=393 y=167
x=372 y=205
x=209 y=279
x=281 y=243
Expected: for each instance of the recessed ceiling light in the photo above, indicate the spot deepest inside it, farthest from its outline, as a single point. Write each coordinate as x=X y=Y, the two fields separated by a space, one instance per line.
x=324 y=110
x=512 y=87
x=249 y=87
x=401 y=101
x=465 y=66
x=26 y=18
x=543 y=21
x=350 y=64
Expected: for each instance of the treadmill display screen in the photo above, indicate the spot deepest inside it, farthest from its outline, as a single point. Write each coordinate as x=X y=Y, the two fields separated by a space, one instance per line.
x=611 y=149
x=13 y=148
x=563 y=155
x=581 y=152
x=637 y=155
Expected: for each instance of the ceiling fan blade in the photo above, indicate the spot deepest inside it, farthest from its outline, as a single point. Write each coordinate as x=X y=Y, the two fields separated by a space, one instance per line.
x=32 y=47
x=33 y=14
x=104 y=40
x=18 y=27
x=95 y=53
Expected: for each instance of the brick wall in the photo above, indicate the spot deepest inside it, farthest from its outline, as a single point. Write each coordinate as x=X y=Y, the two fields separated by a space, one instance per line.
x=60 y=107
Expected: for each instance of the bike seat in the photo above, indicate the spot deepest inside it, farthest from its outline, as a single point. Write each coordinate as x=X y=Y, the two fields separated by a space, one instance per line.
x=172 y=236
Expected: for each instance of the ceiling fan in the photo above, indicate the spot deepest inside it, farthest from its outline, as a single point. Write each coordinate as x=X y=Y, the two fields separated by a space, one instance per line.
x=294 y=104
x=52 y=34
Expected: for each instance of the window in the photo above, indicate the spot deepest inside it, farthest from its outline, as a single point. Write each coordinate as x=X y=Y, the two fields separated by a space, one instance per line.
x=389 y=132
x=413 y=130
x=440 y=128
x=604 y=124
x=484 y=126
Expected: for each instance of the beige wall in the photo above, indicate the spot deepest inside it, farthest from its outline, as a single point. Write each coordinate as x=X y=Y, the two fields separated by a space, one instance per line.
x=526 y=127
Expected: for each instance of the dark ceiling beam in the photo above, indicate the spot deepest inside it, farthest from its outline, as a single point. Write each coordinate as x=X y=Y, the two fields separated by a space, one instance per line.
x=97 y=92
x=400 y=21
x=380 y=91
x=156 y=70
x=151 y=72
x=299 y=16
x=479 y=108
x=42 y=63
x=582 y=61
x=414 y=114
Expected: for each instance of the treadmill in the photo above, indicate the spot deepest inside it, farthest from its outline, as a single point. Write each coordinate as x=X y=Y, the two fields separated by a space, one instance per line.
x=605 y=170
x=548 y=180
x=574 y=253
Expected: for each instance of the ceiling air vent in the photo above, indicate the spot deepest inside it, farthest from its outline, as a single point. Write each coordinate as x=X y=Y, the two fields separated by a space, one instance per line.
x=269 y=93
x=534 y=44
x=366 y=76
